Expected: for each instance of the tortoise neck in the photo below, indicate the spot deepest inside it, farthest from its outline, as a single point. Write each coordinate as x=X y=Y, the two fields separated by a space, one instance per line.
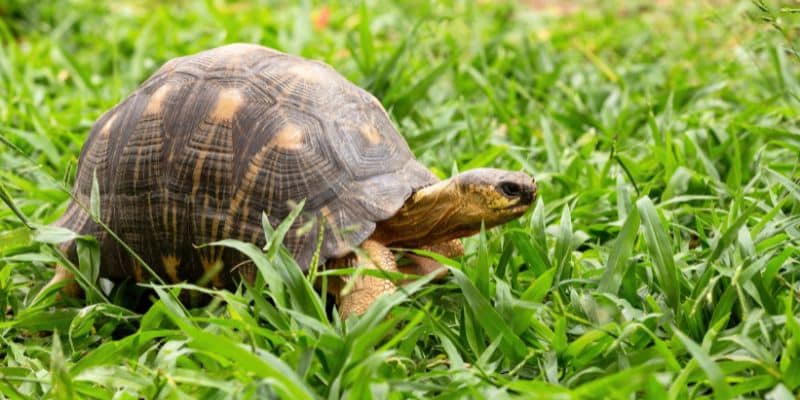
x=425 y=218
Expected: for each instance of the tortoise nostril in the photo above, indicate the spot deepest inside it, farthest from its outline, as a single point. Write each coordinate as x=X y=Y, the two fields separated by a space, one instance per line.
x=530 y=193
x=509 y=189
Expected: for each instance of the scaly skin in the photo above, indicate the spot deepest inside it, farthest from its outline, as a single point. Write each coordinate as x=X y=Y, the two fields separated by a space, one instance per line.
x=366 y=288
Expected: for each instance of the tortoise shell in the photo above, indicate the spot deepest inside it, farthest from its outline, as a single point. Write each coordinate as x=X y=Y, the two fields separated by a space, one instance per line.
x=213 y=141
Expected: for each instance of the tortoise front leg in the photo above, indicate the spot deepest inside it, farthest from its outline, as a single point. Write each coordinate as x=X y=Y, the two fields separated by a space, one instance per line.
x=365 y=289
x=421 y=265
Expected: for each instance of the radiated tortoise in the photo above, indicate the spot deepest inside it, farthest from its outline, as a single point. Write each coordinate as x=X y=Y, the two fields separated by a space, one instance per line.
x=212 y=141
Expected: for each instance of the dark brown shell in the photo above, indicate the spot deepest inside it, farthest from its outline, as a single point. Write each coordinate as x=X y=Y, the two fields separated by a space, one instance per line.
x=211 y=141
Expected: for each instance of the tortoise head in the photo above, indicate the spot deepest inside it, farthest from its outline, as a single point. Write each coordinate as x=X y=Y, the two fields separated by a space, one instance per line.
x=457 y=207
x=491 y=196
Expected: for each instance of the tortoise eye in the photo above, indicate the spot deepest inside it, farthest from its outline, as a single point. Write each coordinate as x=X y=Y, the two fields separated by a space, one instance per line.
x=509 y=189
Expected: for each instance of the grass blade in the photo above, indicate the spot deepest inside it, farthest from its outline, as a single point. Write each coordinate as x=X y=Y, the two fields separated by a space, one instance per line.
x=618 y=261
x=490 y=320
x=711 y=369
x=660 y=248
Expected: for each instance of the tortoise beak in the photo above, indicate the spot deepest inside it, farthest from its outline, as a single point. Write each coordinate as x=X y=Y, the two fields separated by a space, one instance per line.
x=528 y=194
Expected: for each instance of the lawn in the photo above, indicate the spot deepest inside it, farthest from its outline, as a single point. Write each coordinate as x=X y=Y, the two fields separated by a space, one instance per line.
x=661 y=260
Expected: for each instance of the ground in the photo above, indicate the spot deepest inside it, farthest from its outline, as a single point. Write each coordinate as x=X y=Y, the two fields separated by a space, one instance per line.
x=661 y=260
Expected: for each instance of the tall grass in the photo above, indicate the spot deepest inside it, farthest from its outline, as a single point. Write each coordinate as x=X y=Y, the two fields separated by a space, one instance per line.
x=660 y=262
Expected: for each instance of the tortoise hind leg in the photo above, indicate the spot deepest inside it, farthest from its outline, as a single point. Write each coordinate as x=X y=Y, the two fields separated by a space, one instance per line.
x=366 y=289
x=71 y=287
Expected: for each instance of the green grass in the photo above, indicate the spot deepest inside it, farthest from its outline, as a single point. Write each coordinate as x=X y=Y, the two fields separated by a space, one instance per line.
x=661 y=262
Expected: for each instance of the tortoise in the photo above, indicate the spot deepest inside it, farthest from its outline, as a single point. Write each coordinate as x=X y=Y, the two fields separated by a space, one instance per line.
x=213 y=140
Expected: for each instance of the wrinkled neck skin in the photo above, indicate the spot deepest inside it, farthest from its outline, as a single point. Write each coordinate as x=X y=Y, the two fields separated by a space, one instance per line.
x=433 y=214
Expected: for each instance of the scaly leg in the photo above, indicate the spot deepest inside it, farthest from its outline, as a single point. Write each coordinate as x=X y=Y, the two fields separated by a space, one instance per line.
x=71 y=287
x=365 y=289
x=421 y=265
